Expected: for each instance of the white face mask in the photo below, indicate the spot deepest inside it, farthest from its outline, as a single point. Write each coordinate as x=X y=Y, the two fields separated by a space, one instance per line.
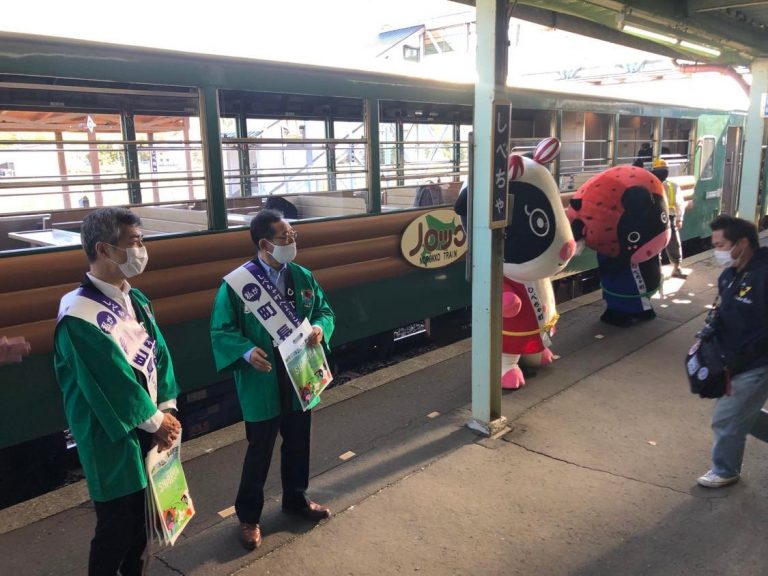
x=724 y=258
x=136 y=262
x=283 y=254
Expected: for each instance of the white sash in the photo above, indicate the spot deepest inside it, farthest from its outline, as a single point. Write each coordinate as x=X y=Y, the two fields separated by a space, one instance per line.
x=138 y=347
x=264 y=301
x=637 y=276
x=538 y=309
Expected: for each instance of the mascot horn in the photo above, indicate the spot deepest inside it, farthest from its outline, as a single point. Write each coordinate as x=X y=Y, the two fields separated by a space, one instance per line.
x=538 y=244
x=622 y=215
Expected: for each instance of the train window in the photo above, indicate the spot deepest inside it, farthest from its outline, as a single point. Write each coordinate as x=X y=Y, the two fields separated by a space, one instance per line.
x=529 y=127
x=349 y=169
x=585 y=147
x=170 y=158
x=427 y=152
x=706 y=147
x=61 y=160
x=421 y=163
x=464 y=131
x=636 y=139
x=305 y=153
x=66 y=149
x=676 y=145
x=298 y=161
x=235 y=183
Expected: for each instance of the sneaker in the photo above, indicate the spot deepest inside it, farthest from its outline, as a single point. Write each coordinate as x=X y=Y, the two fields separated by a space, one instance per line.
x=712 y=480
x=677 y=273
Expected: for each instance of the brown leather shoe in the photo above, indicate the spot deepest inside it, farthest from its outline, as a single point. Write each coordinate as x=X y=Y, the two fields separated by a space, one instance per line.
x=312 y=511
x=250 y=536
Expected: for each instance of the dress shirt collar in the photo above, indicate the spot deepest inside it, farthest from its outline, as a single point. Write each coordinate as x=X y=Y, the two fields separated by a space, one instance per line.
x=111 y=291
x=271 y=271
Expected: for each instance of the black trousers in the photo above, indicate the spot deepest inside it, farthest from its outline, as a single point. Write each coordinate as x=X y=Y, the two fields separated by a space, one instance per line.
x=120 y=537
x=294 y=428
x=121 y=534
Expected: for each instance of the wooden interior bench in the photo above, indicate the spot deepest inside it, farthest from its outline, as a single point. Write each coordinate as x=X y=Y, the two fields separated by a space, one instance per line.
x=184 y=273
x=402 y=197
x=324 y=206
x=18 y=223
x=167 y=219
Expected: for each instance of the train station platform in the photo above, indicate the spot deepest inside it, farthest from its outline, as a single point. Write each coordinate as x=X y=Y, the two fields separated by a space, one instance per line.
x=595 y=476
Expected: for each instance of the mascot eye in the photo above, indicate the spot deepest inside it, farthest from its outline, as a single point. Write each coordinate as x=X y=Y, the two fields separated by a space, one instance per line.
x=538 y=221
x=633 y=237
x=664 y=217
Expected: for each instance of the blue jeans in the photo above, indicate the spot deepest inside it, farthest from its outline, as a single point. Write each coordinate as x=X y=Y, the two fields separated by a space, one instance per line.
x=737 y=415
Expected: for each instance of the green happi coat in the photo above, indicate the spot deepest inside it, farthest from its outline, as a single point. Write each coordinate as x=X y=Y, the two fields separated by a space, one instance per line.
x=105 y=399
x=234 y=331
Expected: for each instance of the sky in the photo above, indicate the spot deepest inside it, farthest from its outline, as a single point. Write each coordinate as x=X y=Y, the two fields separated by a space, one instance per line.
x=343 y=33
x=289 y=30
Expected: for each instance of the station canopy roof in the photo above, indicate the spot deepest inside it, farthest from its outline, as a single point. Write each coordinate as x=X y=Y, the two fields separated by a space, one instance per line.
x=729 y=32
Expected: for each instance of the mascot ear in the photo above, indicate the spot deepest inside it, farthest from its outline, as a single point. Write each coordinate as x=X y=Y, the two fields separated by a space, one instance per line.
x=575 y=203
x=636 y=199
x=515 y=167
x=546 y=150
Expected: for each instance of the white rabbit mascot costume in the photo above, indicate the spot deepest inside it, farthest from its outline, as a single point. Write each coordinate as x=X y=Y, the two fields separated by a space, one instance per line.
x=539 y=244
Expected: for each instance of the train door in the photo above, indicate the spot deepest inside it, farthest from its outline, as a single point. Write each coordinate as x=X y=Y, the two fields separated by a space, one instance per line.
x=709 y=167
x=731 y=172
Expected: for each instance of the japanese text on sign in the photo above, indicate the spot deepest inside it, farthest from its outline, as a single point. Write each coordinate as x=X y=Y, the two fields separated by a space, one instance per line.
x=501 y=126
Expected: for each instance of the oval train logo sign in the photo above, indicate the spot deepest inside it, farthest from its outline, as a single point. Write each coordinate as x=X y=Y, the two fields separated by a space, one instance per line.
x=434 y=240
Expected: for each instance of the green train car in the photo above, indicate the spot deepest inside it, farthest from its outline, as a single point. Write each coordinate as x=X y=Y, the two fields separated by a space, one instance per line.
x=197 y=144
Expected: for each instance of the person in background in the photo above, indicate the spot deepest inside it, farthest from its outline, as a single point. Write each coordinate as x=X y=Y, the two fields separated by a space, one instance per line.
x=644 y=154
x=675 y=211
x=242 y=340
x=741 y=328
x=118 y=384
x=13 y=349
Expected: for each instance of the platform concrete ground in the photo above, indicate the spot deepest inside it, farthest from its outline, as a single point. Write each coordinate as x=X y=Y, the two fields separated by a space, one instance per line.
x=596 y=477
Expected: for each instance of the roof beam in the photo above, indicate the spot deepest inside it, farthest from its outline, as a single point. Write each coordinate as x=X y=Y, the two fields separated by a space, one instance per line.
x=572 y=23
x=709 y=5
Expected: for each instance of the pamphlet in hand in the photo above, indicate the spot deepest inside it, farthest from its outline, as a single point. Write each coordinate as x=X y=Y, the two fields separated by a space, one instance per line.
x=306 y=365
x=168 y=499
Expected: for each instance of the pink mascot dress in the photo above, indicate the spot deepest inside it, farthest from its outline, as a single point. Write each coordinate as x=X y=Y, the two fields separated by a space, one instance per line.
x=538 y=245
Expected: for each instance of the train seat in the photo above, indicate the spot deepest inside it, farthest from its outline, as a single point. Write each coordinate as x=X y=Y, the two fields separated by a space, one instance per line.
x=20 y=223
x=184 y=273
x=402 y=197
x=324 y=206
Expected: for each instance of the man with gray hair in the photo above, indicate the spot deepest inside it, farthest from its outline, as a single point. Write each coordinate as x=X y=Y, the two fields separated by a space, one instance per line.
x=119 y=388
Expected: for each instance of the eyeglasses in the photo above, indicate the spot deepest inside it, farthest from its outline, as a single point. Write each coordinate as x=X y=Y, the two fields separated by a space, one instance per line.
x=292 y=235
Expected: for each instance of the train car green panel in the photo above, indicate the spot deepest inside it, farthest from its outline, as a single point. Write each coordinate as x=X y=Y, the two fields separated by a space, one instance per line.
x=32 y=404
x=708 y=166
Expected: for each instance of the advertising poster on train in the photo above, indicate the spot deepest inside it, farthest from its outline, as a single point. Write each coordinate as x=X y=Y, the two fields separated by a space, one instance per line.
x=168 y=499
x=306 y=365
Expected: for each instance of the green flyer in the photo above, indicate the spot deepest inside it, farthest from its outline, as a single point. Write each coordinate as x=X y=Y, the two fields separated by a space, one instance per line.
x=306 y=365
x=168 y=499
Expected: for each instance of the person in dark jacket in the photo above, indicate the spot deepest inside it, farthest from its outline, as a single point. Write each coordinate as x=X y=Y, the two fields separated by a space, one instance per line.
x=742 y=331
x=460 y=207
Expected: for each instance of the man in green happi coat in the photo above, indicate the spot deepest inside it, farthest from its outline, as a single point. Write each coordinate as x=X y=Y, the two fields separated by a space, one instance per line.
x=241 y=343
x=119 y=388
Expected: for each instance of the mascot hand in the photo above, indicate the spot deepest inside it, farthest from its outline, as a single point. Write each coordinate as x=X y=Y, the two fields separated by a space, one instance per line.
x=510 y=305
